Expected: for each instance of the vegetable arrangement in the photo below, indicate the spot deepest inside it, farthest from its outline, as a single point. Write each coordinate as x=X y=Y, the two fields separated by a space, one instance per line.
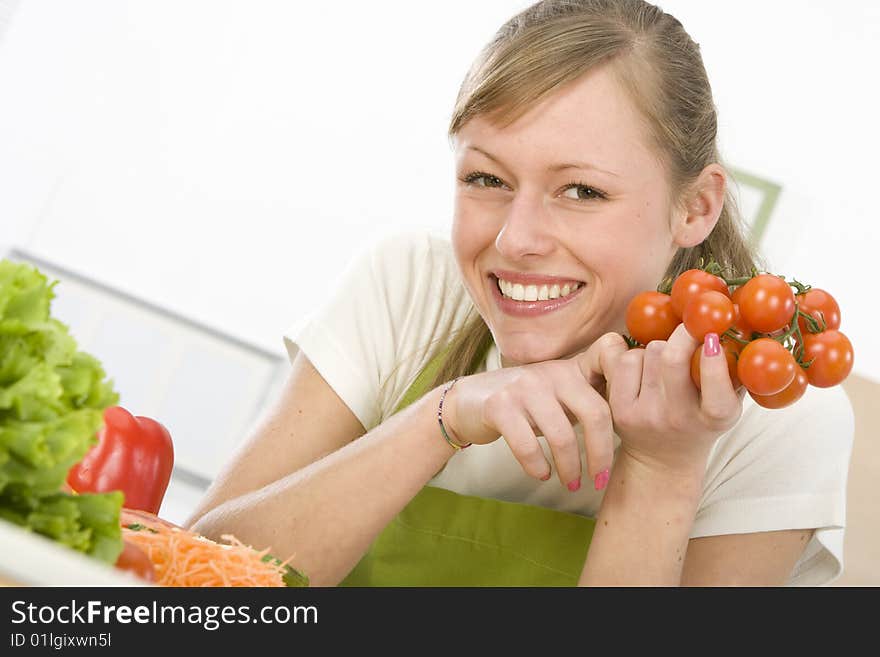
x=183 y=558
x=778 y=336
x=135 y=455
x=51 y=400
x=79 y=469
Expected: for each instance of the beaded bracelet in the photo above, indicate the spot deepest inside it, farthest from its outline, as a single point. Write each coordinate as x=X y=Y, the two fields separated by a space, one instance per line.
x=457 y=446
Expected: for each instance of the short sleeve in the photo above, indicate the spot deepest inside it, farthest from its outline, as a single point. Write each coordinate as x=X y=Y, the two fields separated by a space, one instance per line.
x=399 y=295
x=785 y=469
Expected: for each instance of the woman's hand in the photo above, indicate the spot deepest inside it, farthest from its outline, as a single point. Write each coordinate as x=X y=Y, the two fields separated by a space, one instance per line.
x=546 y=399
x=662 y=419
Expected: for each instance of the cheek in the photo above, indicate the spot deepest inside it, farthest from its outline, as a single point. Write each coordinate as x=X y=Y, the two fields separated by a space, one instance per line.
x=628 y=257
x=472 y=231
x=641 y=241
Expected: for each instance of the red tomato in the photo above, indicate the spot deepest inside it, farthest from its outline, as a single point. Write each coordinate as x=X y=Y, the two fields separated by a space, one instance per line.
x=765 y=367
x=730 y=351
x=831 y=354
x=650 y=316
x=136 y=516
x=788 y=396
x=818 y=303
x=691 y=284
x=767 y=303
x=134 y=560
x=710 y=312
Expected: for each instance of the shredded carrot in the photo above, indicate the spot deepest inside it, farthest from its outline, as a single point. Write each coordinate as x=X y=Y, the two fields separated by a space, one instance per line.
x=184 y=558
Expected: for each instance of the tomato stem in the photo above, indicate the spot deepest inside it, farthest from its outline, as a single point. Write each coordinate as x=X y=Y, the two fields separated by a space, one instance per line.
x=714 y=268
x=794 y=332
x=730 y=333
x=665 y=286
x=736 y=282
x=812 y=324
x=800 y=287
x=793 y=327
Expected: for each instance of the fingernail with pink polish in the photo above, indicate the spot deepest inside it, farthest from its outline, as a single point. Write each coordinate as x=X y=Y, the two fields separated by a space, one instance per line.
x=711 y=345
x=574 y=485
x=546 y=477
x=601 y=479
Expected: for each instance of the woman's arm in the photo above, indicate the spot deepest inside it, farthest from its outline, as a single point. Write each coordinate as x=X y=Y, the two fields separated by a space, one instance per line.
x=754 y=559
x=301 y=487
x=667 y=429
x=643 y=526
x=647 y=515
x=642 y=532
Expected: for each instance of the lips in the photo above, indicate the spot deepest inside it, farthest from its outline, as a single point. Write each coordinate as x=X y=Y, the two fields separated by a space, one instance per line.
x=529 y=308
x=532 y=279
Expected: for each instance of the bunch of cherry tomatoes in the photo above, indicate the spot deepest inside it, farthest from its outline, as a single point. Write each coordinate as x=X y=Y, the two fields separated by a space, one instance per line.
x=778 y=336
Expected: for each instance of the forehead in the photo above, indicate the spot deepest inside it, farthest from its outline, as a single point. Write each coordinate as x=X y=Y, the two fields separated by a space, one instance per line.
x=591 y=119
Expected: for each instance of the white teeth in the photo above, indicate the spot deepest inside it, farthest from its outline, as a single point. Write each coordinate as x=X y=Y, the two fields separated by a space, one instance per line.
x=521 y=292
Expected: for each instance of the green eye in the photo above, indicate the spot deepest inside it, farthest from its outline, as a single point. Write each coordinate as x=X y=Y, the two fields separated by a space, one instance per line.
x=582 y=192
x=488 y=180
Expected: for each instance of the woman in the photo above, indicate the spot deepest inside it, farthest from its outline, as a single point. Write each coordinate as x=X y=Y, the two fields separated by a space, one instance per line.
x=585 y=150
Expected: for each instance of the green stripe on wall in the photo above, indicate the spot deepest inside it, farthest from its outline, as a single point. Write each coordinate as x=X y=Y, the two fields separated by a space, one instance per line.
x=769 y=196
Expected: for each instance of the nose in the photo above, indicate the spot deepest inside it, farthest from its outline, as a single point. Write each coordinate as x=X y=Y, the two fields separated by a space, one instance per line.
x=527 y=228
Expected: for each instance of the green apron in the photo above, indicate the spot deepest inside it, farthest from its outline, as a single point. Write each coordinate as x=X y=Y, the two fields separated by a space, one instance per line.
x=442 y=538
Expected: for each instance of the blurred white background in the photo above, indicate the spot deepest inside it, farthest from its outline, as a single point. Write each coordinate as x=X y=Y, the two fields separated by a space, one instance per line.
x=224 y=160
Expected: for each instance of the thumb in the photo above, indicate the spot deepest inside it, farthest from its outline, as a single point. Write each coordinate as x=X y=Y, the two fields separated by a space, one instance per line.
x=597 y=362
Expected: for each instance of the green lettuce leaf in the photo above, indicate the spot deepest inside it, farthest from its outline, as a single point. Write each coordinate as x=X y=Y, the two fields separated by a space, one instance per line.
x=88 y=523
x=52 y=399
x=39 y=454
x=25 y=293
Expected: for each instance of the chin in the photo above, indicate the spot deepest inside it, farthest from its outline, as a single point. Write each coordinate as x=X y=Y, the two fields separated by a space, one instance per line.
x=525 y=352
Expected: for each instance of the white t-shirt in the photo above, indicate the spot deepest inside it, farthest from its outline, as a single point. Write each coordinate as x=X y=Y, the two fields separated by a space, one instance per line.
x=376 y=330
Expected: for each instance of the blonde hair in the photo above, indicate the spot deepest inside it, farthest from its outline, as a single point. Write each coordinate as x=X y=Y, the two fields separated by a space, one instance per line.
x=554 y=42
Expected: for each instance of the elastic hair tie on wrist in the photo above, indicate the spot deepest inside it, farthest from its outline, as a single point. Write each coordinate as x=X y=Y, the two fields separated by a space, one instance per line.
x=456 y=445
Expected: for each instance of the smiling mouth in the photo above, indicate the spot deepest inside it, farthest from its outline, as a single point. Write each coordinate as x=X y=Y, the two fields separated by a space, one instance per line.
x=531 y=293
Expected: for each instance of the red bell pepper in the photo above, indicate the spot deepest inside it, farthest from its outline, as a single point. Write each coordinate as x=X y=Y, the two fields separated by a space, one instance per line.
x=133 y=454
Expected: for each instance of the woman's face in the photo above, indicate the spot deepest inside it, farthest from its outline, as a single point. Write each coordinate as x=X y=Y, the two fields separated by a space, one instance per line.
x=569 y=193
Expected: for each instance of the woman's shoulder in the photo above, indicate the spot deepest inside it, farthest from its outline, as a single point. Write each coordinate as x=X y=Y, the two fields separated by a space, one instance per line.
x=425 y=300
x=412 y=250
x=399 y=295
x=418 y=276
x=406 y=242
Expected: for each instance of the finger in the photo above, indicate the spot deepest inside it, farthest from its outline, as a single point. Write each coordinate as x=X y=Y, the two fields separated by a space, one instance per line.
x=651 y=389
x=597 y=362
x=719 y=402
x=554 y=425
x=518 y=433
x=594 y=415
x=626 y=379
x=676 y=368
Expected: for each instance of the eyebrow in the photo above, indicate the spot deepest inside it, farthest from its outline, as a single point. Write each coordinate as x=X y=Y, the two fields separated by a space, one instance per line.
x=552 y=168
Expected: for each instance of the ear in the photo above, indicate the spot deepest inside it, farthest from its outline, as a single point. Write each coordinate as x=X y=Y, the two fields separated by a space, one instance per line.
x=695 y=218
